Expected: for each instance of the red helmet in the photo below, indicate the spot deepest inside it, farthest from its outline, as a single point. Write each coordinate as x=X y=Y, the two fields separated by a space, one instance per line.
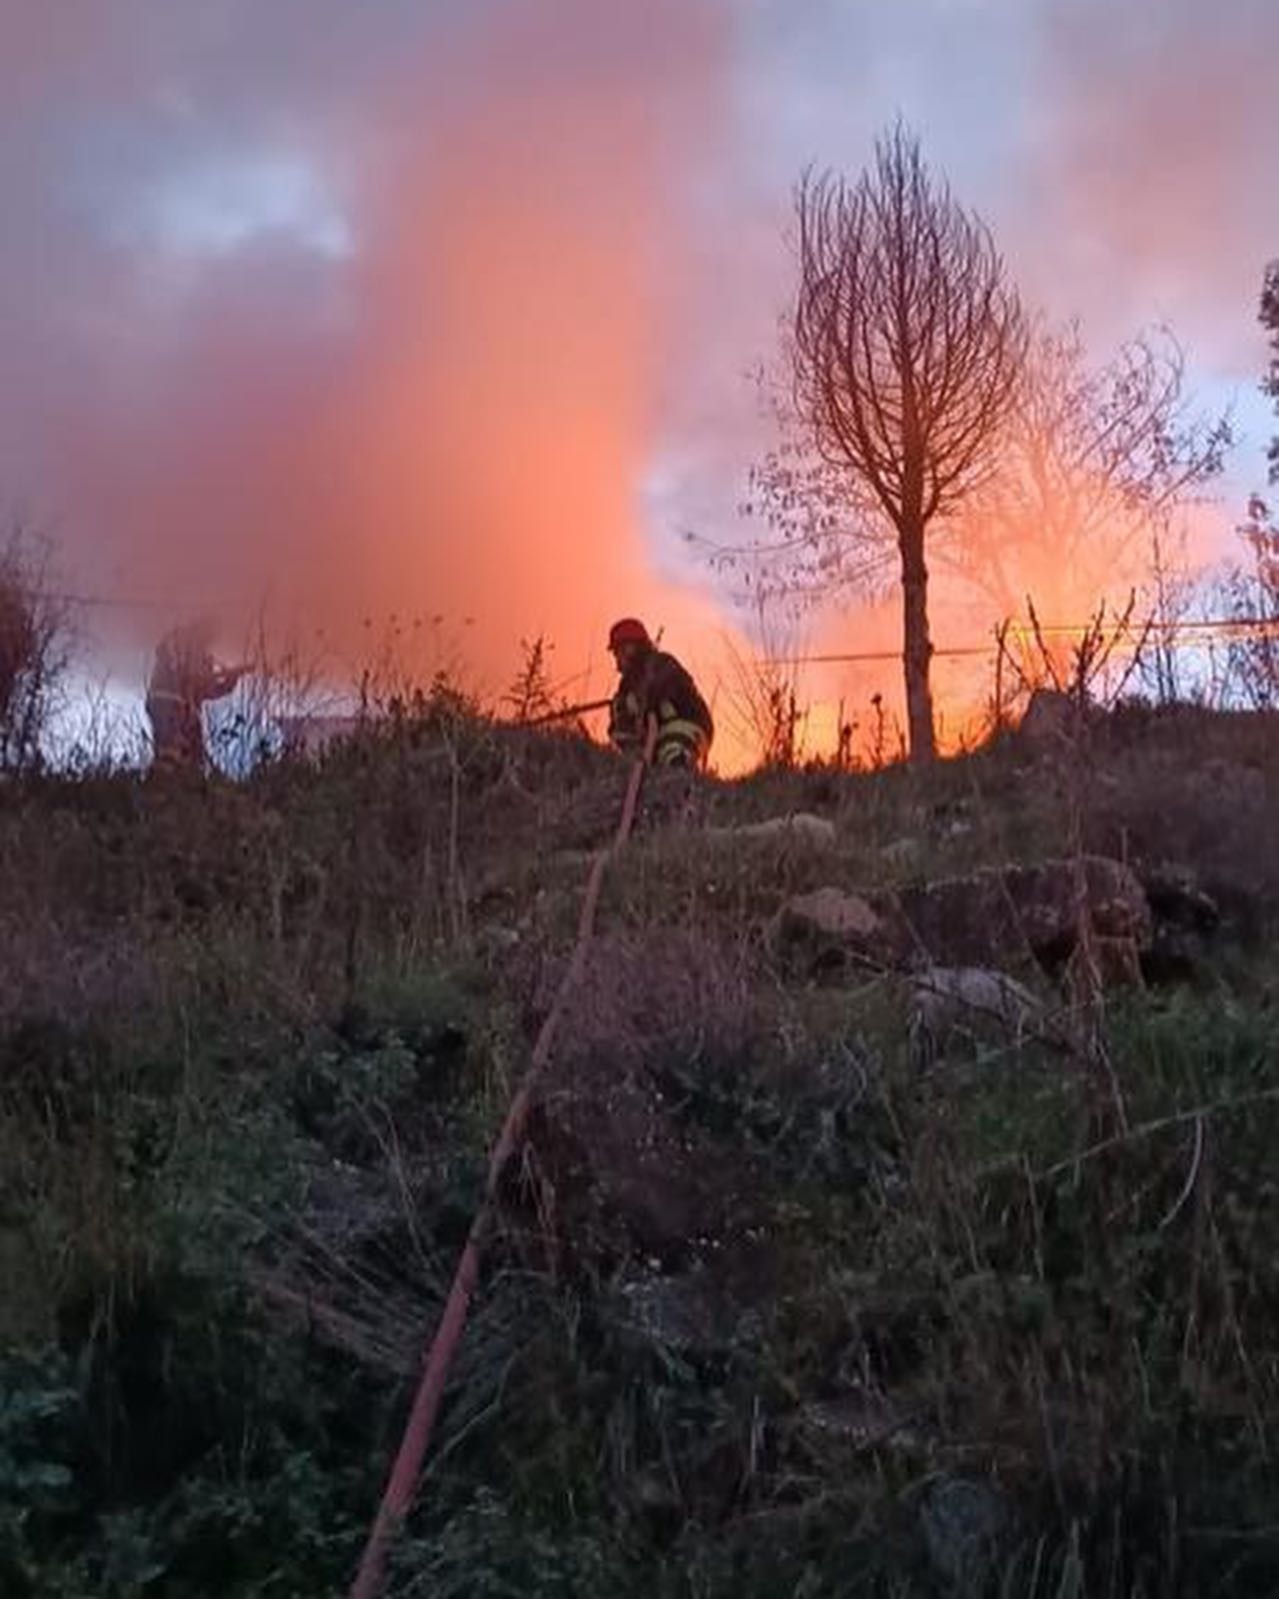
x=627 y=631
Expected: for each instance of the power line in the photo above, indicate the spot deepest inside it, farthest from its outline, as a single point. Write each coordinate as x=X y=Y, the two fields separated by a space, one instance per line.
x=1205 y=630
x=858 y=656
x=1201 y=629
x=105 y=601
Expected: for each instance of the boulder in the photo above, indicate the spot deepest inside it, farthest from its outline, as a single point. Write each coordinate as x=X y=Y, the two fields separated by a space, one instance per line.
x=997 y=918
x=970 y=1000
x=801 y=827
x=1002 y=916
x=865 y=1419
x=830 y=912
x=1177 y=900
x=619 y=1163
x=1186 y=919
x=830 y=924
x=696 y=1313
x=615 y=1173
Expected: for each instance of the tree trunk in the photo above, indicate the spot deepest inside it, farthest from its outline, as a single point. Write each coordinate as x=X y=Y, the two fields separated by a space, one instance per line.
x=917 y=647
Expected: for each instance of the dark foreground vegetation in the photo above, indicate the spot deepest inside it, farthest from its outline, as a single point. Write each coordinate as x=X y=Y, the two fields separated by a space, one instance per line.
x=790 y=1296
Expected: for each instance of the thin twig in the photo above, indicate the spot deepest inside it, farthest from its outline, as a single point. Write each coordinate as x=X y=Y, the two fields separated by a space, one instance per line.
x=1192 y=1176
x=1143 y=1130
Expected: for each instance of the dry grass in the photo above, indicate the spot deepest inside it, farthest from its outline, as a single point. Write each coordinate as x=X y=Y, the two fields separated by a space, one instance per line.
x=254 y=1041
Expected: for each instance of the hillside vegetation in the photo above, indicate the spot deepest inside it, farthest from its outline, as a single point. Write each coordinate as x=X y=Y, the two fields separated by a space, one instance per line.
x=804 y=1285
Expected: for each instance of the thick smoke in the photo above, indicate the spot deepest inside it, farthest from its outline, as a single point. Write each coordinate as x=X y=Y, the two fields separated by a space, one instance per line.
x=360 y=316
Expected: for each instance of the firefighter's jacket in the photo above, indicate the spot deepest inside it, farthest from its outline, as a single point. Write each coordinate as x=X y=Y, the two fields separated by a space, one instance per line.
x=657 y=685
x=184 y=676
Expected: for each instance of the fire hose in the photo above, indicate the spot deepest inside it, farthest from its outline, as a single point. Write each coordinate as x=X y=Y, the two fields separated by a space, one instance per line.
x=565 y=713
x=402 y=1483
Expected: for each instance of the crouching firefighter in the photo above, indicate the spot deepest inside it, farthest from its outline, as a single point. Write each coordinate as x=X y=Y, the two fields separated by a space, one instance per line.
x=654 y=684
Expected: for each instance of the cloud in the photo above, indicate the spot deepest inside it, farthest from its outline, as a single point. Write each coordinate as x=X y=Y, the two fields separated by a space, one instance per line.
x=1154 y=158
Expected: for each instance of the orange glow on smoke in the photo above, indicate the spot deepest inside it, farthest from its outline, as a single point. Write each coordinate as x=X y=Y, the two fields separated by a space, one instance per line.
x=487 y=452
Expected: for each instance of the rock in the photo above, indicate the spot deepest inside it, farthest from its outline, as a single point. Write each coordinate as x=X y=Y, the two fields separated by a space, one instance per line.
x=971 y=999
x=964 y=1523
x=801 y=827
x=687 y=1313
x=1176 y=899
x=1001 y=916
x=833 y=913
x=1186 y=918
x=618 y=1165
x=830 y=923
x=865 y=1420
x=617 y=1174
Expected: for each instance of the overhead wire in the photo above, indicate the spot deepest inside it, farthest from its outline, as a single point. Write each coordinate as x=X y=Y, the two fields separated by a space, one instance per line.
x=1186 y=632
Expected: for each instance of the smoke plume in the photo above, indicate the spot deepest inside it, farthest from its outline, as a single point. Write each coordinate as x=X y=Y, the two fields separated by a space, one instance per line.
x=365 y=319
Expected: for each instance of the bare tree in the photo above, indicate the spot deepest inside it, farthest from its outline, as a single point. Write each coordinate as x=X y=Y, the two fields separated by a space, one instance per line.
x=1248 y=593
x=1094 y=462
x=1097 y=462
x=818 y=529
x=908 y=344
x=34 y=649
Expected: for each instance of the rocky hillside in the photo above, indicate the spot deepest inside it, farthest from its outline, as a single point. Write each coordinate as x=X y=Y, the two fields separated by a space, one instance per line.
x=897 y=1217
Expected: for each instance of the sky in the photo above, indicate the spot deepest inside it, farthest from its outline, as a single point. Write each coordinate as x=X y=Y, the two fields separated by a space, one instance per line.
x=442 y=311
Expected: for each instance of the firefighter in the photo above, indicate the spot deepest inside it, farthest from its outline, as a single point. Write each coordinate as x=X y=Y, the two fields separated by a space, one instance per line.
x=183 y=678
x=654 y=684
